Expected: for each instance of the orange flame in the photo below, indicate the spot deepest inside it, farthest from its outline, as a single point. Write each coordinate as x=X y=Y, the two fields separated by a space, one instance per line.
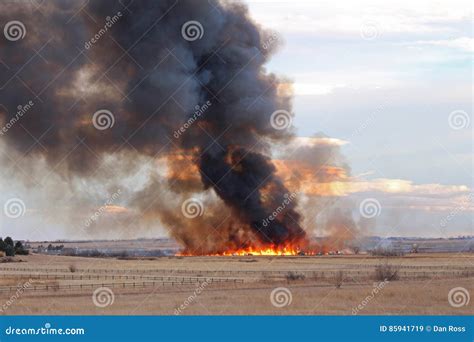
x=258 y=251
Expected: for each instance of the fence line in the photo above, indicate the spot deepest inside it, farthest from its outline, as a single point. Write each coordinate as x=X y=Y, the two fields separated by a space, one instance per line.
x=57 y=287
x=321 y=275
x=345 y=268
x=313 y=274
x=119 y=276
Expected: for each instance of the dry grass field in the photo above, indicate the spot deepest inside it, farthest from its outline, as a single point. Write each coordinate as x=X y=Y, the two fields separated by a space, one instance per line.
x=333 y=285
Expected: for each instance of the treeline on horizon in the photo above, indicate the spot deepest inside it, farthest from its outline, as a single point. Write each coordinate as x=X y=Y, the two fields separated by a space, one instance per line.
x=11 y=248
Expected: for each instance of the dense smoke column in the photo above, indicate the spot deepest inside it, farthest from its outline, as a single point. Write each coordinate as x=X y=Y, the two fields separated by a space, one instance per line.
x=239 y=179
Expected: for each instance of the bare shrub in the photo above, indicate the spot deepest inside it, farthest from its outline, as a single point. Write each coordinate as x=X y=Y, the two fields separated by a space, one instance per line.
x=294 y=276
x=356 y=250
x=338 y=279
x=72 y=268
x=386 y=272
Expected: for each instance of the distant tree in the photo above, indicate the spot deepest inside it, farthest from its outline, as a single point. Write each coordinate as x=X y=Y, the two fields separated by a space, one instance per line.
x=20 y=249
x=9 y=250
x=9 y=241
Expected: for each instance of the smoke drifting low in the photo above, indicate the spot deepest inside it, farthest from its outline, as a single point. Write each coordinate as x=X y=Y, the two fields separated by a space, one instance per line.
x=114 y=81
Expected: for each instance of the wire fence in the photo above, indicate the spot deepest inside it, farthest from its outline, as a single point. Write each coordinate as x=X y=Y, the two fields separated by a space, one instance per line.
x=313 y=275
x=351 y=276
x=448 y=269
x=72 y=276
x=124 y=285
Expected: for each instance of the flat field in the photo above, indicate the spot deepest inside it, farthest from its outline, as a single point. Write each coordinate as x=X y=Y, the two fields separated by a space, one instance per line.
x=250 y=285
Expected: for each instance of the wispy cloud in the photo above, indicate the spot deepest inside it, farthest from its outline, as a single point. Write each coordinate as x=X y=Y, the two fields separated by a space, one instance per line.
x=462 y=43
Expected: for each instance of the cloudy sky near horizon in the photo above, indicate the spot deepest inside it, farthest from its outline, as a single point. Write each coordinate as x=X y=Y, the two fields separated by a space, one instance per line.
x=391 y=82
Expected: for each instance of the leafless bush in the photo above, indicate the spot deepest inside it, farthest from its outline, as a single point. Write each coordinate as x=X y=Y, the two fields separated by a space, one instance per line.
x=294 y=276
x=338 y=279
x=356 y=249
x=72 y=268
x=386 y=272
